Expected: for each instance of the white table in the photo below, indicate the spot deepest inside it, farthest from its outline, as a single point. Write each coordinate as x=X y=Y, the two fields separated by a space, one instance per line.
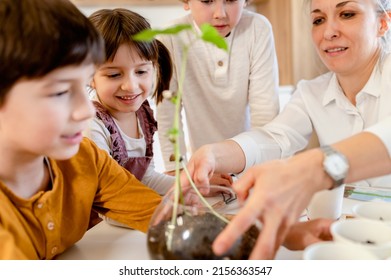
x=106 y=242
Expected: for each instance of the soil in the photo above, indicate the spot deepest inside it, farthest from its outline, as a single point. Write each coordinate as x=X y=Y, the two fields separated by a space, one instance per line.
x=193 y=238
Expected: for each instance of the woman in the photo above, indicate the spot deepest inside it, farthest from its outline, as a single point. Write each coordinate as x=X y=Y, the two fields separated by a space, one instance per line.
x=352 y=39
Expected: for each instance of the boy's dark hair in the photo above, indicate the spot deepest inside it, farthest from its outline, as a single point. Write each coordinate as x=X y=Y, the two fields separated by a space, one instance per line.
x=117 y=27
x=38 y=36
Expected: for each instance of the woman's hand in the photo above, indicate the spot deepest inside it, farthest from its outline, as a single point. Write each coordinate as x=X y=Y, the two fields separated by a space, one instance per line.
x=281 y=190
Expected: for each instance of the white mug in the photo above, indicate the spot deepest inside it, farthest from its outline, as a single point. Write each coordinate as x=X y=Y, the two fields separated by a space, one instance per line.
x=326 y=204
x=371 y=235
x=329 y=250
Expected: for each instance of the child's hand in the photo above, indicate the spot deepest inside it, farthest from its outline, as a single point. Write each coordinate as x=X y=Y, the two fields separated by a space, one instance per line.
x=221 y=179
x=215 y=190
x=170 y=173
x=303 y=234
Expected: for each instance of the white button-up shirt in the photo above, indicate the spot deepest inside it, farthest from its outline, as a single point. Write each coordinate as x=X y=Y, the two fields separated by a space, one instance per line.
x=383 y=131
x=320 y=105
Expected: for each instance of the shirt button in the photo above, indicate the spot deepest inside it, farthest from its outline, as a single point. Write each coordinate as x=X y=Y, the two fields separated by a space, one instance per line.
x=220 y=63
x=54 y=250
x=39 y=205
x=50 y=226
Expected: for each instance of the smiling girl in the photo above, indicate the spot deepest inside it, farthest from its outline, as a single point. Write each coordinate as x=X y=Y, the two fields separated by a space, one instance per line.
x=124 y=124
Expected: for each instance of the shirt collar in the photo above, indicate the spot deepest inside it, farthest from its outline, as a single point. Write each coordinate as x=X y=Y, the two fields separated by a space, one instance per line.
x=334 y=90
x=196 y=28
x=372 y=86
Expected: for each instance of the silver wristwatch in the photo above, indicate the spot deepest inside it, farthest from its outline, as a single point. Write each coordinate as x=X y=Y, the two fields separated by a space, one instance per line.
x=335 y=165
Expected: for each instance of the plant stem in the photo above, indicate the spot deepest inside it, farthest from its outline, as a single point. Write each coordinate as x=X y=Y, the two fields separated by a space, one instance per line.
x=177 y=150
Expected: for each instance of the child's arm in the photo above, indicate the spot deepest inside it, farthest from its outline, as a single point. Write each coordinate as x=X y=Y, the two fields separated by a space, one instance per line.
x=263 y=80
x=120 y=196
x=159 y=182
x=98 y=133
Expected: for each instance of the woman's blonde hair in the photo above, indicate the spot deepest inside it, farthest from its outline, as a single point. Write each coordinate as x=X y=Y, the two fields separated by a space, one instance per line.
x=384 y=9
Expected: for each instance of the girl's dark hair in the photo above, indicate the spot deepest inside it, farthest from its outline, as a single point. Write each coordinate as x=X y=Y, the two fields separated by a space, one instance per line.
x=117 y=27
x=38 y=36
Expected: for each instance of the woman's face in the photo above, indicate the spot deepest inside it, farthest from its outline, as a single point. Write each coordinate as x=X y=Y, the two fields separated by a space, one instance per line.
x=346 y=34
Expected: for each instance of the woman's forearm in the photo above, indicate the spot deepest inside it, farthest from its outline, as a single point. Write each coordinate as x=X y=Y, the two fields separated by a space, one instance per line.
x=367 y=156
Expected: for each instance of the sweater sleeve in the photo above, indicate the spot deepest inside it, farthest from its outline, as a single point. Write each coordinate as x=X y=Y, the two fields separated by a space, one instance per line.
x=120 y=196
x=98 y=133
x=263 y=78
x=159 y=182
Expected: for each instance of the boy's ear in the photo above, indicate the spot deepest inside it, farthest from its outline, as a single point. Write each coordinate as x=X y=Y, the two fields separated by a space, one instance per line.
x=186 y=6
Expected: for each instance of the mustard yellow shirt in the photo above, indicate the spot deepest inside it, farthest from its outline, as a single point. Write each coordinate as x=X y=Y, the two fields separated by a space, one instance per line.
x=51 y=221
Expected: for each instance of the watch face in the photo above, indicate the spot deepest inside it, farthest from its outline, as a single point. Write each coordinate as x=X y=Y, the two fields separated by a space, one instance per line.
x=336 y=165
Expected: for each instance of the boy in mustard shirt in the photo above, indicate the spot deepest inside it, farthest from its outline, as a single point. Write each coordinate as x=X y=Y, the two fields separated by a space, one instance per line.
x=50 y=176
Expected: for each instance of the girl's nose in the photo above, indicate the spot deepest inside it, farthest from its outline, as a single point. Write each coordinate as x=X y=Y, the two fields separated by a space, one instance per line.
x=129 y=83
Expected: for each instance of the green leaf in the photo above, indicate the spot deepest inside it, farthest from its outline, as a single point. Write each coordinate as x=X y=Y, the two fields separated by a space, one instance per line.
x=145 y=35
x=210 y=34
x=175 y=29
x=150 y=34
